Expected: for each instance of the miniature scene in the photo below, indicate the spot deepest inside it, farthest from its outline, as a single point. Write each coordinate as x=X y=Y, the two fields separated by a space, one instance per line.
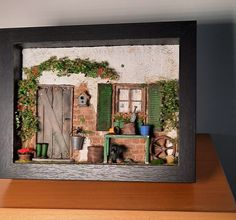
x=99 y=105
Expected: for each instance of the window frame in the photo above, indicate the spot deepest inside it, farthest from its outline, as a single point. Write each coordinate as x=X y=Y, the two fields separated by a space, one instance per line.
x=128 y=86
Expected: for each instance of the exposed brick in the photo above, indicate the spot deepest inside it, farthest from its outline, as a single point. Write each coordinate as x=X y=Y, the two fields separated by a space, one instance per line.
x=96 y=139
x=135 y=147
x=141 y=141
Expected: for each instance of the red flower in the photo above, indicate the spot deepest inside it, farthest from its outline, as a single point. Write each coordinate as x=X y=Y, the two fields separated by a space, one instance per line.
x=19 y=107
x=25 y=151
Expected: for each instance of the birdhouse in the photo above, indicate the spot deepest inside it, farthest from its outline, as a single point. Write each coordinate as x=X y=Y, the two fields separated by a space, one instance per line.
x=83 y=99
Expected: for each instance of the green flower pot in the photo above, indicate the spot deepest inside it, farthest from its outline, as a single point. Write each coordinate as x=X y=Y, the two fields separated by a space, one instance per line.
x=119 y=124
x=116 y=124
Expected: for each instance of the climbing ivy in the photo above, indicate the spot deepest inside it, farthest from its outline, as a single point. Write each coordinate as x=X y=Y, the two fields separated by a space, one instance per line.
x=26 y=119
x=65 y=67
x=169 y=118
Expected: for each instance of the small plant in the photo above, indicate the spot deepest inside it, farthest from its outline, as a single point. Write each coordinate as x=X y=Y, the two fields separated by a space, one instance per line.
x=126 y=117
x=82 y=119
x=141 y=117
x=81 y=131
x=122 y=117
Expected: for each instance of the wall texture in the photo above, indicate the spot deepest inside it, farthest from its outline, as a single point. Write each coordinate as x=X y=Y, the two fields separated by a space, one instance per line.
x=134 y=64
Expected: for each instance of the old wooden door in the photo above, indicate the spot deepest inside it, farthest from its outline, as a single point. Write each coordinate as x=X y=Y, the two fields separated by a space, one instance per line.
x=55 y=118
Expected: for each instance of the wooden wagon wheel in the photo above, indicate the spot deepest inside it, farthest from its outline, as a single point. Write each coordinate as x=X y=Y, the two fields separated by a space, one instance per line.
x=158 y=147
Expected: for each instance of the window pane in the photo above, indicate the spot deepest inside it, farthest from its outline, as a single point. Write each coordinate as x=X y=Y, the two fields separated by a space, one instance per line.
x=139 y=106
x=136 y=94
x=123 y=94
x=123 y=107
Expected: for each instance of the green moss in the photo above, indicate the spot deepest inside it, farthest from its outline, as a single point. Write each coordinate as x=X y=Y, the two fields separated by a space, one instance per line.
x=157 y=162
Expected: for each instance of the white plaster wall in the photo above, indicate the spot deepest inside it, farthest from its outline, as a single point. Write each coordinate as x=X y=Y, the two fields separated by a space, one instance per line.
x=142 y=64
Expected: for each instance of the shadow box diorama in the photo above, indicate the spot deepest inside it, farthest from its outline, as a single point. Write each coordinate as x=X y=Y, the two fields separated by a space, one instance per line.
x=99 y=102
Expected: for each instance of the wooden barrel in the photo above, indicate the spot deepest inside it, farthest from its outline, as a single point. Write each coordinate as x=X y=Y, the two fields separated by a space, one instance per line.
x=95 y=154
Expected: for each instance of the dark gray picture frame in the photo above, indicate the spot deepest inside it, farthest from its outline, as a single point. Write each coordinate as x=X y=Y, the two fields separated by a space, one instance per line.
x=12 y=41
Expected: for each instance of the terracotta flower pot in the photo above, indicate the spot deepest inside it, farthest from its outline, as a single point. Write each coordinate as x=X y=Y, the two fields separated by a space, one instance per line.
x=24 y=157
x=128 y=128
x=95 y=154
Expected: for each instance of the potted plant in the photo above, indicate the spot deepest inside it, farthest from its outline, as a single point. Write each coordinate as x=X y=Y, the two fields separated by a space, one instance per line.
x=144 y=129
x=140 y=120
x=124 y=121
x=77 y=138
x=25 y=115
x=118 y=119
x=25 y=154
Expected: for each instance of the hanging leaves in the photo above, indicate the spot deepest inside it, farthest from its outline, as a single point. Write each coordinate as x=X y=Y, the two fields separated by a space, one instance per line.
x=65 y=67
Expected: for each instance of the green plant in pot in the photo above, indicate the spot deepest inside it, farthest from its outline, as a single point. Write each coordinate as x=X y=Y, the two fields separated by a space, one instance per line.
x=140 y=120
x=25 y=154
x=124 y=121
x=118 y=120
x=26 y=119
x=78 y=136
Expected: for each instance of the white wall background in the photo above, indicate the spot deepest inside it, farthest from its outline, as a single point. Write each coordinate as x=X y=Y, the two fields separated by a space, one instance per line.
x=141 y=64
x=216 y=60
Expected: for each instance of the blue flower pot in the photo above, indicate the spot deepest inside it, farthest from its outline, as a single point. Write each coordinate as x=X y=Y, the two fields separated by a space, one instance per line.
x=145 y=130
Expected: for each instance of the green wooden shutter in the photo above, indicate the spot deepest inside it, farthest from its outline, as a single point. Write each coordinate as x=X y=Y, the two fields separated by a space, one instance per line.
x=104 y=110
x=154 y=106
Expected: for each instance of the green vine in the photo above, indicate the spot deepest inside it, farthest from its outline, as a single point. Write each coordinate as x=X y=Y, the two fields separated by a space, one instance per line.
x=169 y=90
x=65 y=67
x=26 y=119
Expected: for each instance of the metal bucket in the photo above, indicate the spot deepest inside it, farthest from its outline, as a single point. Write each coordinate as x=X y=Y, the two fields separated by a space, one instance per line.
x=77 y=142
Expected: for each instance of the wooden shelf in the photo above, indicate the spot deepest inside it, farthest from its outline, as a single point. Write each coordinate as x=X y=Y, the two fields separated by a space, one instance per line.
x=210 y=193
